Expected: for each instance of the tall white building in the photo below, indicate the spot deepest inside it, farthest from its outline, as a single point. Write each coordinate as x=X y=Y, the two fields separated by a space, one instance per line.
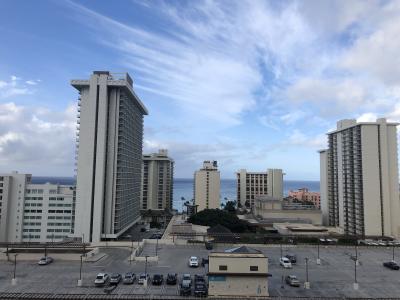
x=253 y=184
x=207 y=184
x=157 y=181
x=34 y=212
x=109 y=161
x=359 y=178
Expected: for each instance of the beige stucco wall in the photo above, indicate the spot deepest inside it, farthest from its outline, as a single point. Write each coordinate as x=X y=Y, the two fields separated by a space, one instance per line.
x=200 y=189
x=315 y=216
x=239 y=286
x=238 y=264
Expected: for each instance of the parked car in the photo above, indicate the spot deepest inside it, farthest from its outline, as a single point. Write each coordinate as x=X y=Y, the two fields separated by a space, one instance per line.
x=101 y=279
x=285 y=262
x=292 y=258
x=209 y=245
x=199 y=279
x=171 y=279
x=156 y=236
x=45 y=260
x=204 y=261
x=193 y=262
x=185 y=289
x=292 y=280
x=129 y=278
x=200 y=289
x=187 y=279
x=391 y=265
x=115 y=279
x=143 y=277
x=158 y=279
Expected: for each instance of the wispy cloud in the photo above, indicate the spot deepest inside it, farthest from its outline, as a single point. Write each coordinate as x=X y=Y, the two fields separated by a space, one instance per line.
x=14 y=87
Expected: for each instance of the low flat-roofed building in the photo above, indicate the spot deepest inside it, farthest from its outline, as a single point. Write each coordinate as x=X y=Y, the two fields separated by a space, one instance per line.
x=240 y=271
x=306 y=229
x=274 y=210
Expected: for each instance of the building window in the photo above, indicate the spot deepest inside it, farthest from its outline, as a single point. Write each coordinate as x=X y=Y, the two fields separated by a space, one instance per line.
x=253 y=268
x=223 y=268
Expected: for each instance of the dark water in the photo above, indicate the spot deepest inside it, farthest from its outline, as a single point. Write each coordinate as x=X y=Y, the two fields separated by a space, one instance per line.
x=183 y=187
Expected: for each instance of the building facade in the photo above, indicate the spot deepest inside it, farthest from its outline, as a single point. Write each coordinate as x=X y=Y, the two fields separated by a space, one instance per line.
x=359 y=178
x=109 y=156
x=240 y=271
x=253 y=184
x=157 y=181
x=34 y=212
x=207 y=184
x=305 y=195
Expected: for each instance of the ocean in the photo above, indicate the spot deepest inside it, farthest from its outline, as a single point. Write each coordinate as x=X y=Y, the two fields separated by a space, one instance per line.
x=183 y=187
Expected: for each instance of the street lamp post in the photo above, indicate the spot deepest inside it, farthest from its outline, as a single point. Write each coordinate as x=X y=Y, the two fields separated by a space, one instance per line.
x=80 y=272
x=393 y=252
x=318 y=259
x=14 y=279
x=355 y=284
x=145 y=272
x=281 y=249
x=307 y=283
x=157 y=247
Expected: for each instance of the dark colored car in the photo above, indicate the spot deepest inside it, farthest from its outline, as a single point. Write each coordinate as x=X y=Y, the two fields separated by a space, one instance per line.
x=115 y=279
x=185 y=289
x=292 y=258
x=158 y=279
x=204 y=261
x=200 y=289
x=171 y=279
x=209 y=246
x=199 y=279
x=391 y=265
x=156 y=236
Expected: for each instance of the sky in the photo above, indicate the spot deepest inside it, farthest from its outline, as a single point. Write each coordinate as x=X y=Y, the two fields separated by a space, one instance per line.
x=251 y=84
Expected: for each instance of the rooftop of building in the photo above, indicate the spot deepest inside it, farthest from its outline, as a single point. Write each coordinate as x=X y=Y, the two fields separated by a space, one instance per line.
x=113 y=79
x=349 y=123
x=241 y=251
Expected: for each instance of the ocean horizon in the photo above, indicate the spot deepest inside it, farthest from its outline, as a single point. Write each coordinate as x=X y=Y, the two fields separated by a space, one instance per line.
x=183 y=187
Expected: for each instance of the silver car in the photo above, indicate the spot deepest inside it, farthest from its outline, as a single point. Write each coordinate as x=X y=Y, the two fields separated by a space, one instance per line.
x=129 y=278
x=101 y=279
x=45 y=260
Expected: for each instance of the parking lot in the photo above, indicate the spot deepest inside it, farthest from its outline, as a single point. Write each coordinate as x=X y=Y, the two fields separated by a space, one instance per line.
x=333 y=278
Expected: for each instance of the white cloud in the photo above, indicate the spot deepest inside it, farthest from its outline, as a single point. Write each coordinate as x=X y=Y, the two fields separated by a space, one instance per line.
x=14 y=87
x=37 y=142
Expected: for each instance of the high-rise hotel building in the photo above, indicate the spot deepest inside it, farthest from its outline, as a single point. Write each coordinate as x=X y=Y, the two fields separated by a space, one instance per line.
x=109 y=161
x=157 y=181
x=359 y=178
x=207 y=184
x=253 y=184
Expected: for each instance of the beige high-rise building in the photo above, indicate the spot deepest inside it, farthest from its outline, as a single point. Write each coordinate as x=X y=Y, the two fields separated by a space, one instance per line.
x=359 y=178
x=157 y=181
x=253 y=184
x=207 y=184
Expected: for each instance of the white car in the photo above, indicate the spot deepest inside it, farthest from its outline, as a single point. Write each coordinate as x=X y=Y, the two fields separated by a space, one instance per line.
x=285 y=262
x=101 y=279
x=45 y=260
x=143 y=277
x=193 y=262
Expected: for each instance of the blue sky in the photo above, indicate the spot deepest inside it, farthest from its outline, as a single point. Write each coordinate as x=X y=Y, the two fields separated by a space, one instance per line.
x=252 y=84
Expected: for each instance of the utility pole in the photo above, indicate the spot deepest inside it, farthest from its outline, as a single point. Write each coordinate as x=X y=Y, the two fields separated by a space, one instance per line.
x=355 y=284
x=318 y=259
x=393 y=252
x=157 y=246
x=281 y=249
x=307 y=283
x=14 y=279
x=80 y=272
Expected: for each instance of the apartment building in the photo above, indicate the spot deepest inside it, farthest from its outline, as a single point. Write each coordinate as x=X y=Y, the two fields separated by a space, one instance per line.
x=253 y=184
x=359 y=178
x=305 y=195
x=34 y=212
x=207 y=184
x=109 y=156
x=157 y=181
